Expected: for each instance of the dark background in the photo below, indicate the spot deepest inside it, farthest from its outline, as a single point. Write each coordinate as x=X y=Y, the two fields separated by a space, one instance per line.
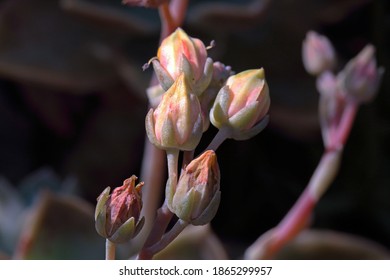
x=72 y=101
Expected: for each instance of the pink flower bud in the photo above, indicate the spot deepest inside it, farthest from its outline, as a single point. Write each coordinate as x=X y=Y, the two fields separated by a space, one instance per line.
x=177 y=44
x=242 y=104
x=177 y=121
x=117 y=215
x=318 y=54
x=179 y=53
x=197 y=195
x=360 y=78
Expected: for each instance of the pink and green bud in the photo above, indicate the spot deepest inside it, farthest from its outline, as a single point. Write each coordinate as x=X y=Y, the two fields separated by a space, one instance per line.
x=318 y=54
x=117 y=215
x=179 y=53
x=177 y=121
x=360 y=78
x=195 y=199
x=242 y=104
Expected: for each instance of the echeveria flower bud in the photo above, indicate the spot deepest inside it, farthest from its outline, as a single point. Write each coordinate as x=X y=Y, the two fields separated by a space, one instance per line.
x=117 y=216
x=318 y=54
x=196 y=197
x=242 y=104
x=177 y=122
x=360 y=78
x=179 y=54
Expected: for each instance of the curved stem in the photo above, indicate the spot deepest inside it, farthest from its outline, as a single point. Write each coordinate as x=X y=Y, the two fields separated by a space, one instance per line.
x=168 y=237
x=164 y=216
x=299 y=215
x=167 y=22
x=110 y=250
x=152 y=174
x=178 y=10
x=346 y=122
x=297 y=218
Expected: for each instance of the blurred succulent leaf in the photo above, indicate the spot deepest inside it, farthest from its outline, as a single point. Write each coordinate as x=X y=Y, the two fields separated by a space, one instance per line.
x=44 y=179
x=137 y=21
x=327 y=245
x=42 y=43
x=60 y=227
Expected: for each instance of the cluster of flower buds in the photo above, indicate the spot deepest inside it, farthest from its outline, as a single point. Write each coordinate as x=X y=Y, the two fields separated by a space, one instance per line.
x=192 y=92
x=190 y=81
x=117 y=215
x=360 y=78
x=357 y=83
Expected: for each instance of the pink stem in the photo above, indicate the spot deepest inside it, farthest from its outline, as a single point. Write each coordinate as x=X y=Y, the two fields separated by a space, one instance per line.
x=167 y=238
x=167 y=22
x=178 y=10
x=297 y=218
x=346 y=122
x=163 y=218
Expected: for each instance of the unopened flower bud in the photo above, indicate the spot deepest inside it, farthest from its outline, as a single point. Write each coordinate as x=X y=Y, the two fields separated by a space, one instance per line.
x=196 y=196
x=318 y=54
x=180 y=53
x=242 y=104
x=360 y=78
x=117 y=215
x=177 y=122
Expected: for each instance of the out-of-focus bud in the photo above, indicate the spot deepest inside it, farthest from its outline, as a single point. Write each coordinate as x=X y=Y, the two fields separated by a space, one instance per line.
x=220 y=74
x=177 y=121
x=360 y=78
x=117 y=216
x=180 y=53
x=318 y=54
x=196 y=197
x=242 y=104
x=145 y=3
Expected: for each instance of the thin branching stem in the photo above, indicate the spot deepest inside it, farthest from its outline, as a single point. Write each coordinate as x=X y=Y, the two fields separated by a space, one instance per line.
x=222 y=134
x=168 y=237
x=299 y=215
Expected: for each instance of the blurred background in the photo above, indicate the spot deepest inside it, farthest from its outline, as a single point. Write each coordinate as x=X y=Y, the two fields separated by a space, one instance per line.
x=73 y=104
